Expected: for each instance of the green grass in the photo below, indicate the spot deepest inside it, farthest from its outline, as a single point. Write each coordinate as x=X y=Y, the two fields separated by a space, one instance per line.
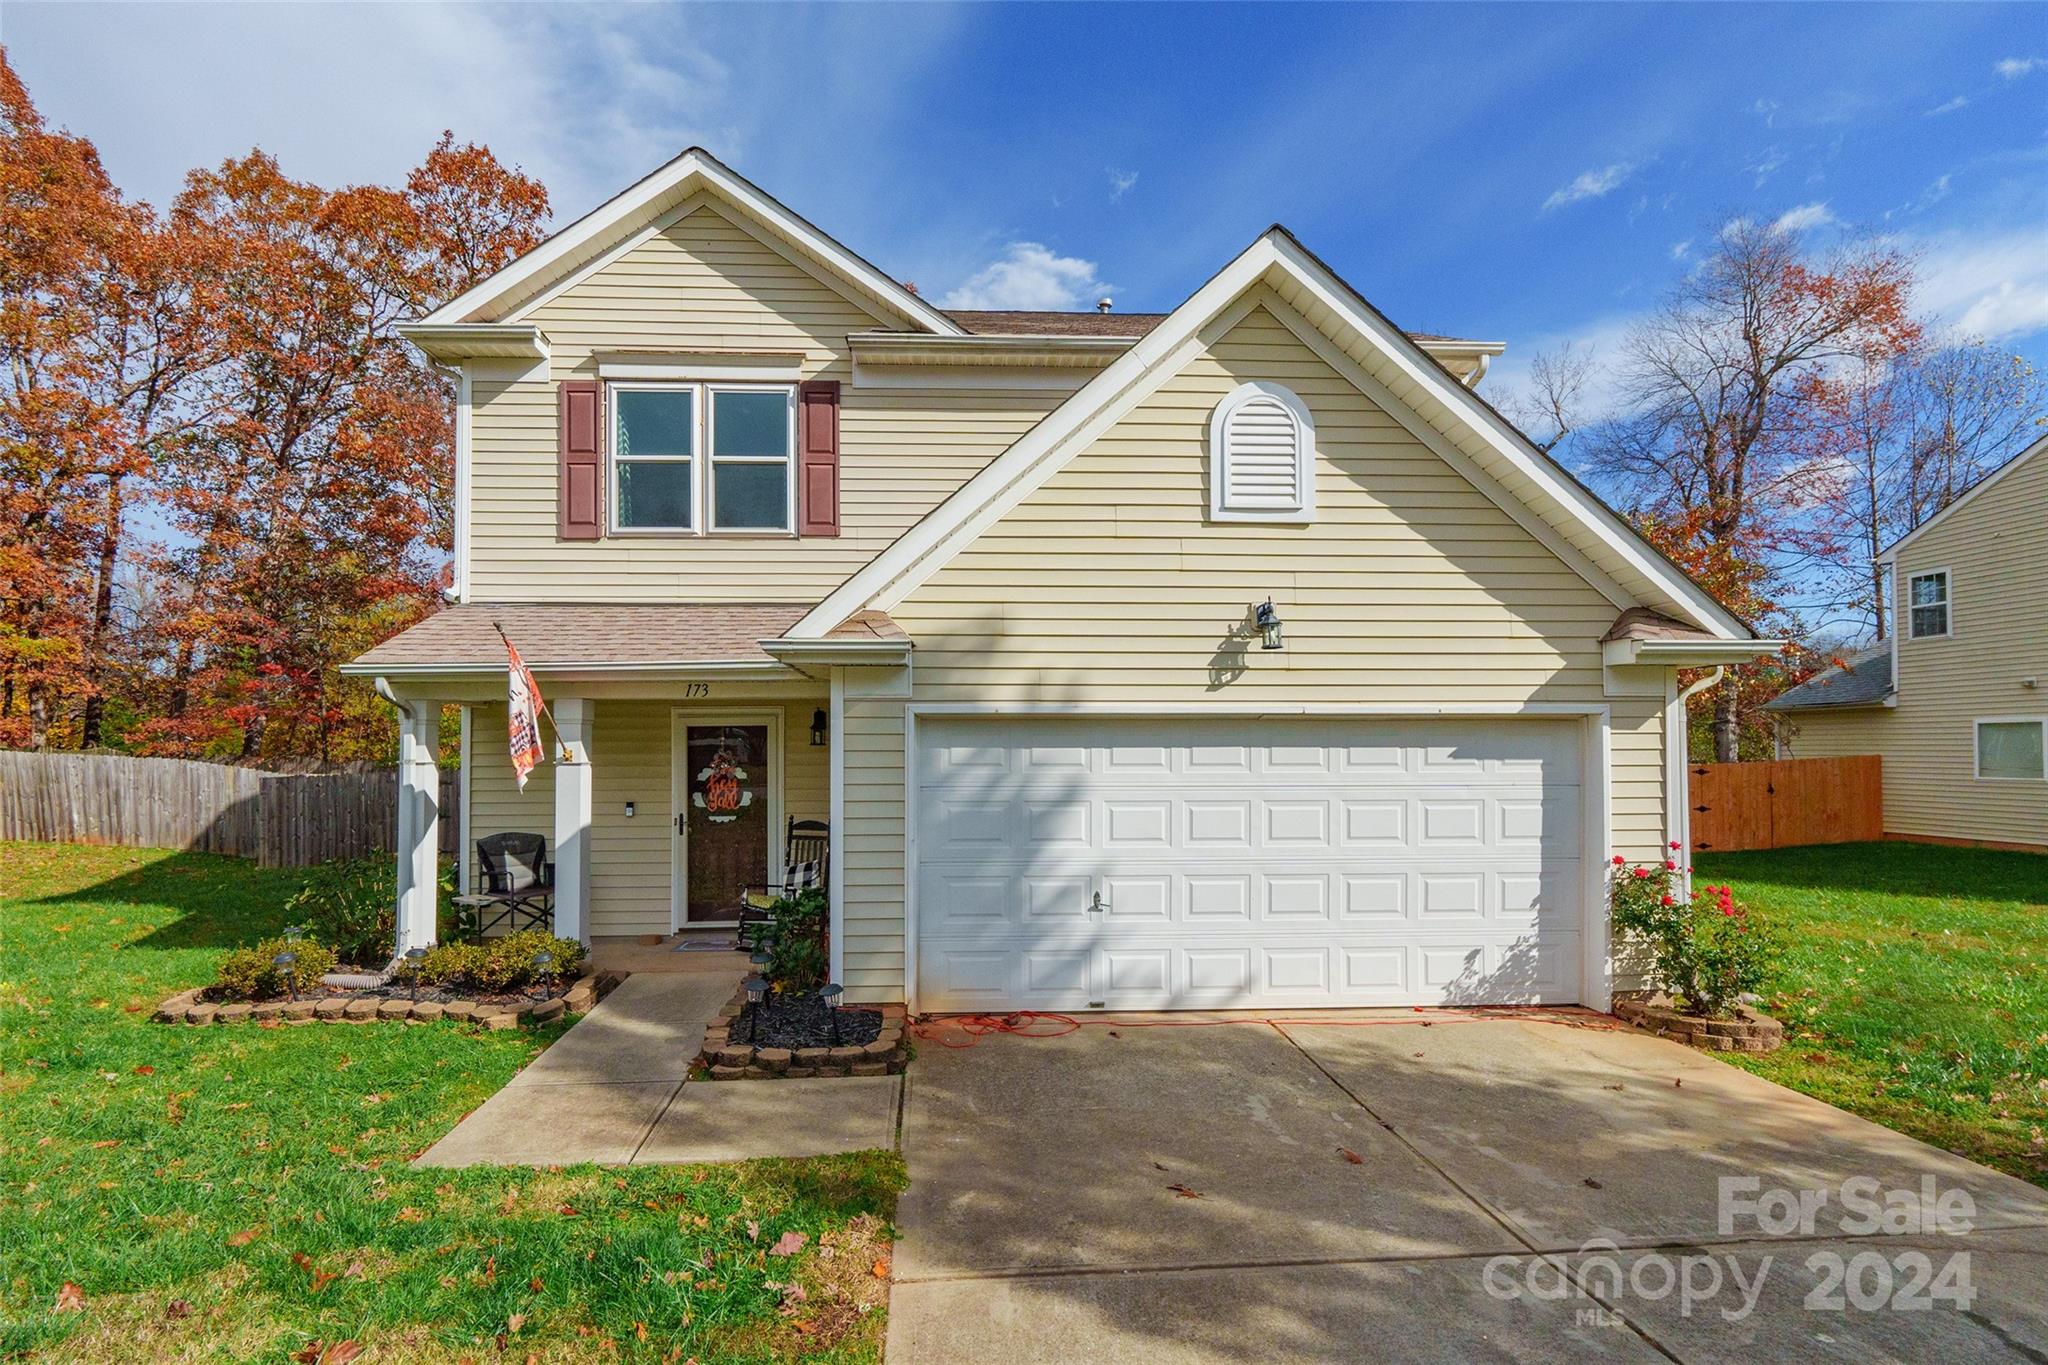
x=1914 y=988
x=237 y=1193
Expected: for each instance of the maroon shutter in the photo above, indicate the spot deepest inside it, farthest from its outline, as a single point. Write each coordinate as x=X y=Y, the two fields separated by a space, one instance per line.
x=817 y=458
x=580 y=472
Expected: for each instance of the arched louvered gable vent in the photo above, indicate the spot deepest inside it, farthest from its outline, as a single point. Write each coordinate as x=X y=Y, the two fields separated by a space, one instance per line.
x=1262 y=456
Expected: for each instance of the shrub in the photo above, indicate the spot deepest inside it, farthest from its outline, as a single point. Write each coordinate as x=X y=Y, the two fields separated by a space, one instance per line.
x=500 y=964
x=796 y=953
x=252 y=973
x=352 y=905
x=1707 y=952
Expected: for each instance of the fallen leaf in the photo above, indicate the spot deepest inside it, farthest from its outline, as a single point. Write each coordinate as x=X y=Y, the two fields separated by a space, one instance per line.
x=145 y=1071
x=640 y=1330
x=177 y=1308
x=1351 y=1156
x=340 y=1353
x=567 y=1212
x=1184 y=1192
x=408 y=1214
x=246 y=1236
x=535 y=1285
x=788 y=1244
x=107 y=1142
x=753 y=1231
x=70 y=1299
x=514 y=1323
x=882 y=1268
x=1590 y=1183
x=355 y=1271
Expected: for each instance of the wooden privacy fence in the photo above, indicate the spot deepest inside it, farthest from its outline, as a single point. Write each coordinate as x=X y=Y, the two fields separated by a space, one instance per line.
x=1786 y=801
x=279 y=819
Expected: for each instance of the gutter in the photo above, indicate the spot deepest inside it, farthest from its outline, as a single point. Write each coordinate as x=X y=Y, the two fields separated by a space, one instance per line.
x=1686 y=653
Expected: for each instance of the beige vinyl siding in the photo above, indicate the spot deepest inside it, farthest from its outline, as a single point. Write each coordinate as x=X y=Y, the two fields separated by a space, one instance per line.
x=706 y=283
x=1108 y=584
x=873 y=847
x=1997 y=562
x=630 y=760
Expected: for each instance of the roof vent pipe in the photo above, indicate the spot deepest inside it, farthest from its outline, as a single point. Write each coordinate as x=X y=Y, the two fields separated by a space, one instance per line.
x=1104 y=304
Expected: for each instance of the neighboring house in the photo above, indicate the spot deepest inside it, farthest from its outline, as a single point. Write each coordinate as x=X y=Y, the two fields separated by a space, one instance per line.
x=780 y=539
x=1955 y=698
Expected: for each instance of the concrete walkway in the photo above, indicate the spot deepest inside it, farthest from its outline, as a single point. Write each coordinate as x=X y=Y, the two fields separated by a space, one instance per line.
x=613 y=1090
x=1392 y=1189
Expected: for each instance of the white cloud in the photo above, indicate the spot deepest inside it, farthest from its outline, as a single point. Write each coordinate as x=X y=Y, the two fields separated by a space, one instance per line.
x=1028 y=275
x=1960 y=101
x=1590 y=185
x=1120 y=183
x=1803 y=218
x=1992 y=285
x=1767 y=165
x=2012 y=68
x=1680 y=250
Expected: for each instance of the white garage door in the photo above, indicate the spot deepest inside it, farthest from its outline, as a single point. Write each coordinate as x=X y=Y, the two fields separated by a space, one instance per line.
x=1184 y=864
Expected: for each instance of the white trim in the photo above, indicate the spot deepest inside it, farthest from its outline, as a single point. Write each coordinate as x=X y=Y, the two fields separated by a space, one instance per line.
x=666 y=181
x=704 y=393
x=778 y=372
x=463 y=424
x=835 y=851
x=927 y=546
x=971 y=378
x=453 y=343
x=680 y=719
x=1977 y=746
x=1947 y=604
x=1891 y=551
x=465 y=876
x=724 y=668
x=1303 y=506
x=1685 y=653
x=1596 y=981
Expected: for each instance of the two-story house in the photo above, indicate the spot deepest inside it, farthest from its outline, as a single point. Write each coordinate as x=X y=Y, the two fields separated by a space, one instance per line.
x=1240 y=655
x=1955 y=697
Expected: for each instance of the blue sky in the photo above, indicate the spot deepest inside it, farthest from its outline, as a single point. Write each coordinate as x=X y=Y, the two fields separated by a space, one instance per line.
x=1528 y=173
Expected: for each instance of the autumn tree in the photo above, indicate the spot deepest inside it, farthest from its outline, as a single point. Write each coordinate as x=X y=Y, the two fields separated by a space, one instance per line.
x=1710 y=452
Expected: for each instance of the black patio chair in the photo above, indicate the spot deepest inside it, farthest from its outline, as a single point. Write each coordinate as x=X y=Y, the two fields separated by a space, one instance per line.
x=518 y=881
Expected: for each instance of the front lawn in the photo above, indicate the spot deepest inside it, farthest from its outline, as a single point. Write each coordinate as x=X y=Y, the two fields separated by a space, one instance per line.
x=1914 y=988
x=242 y=1192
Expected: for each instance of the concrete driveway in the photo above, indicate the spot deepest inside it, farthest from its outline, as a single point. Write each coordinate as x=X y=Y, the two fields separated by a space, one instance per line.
x=1392 y=1189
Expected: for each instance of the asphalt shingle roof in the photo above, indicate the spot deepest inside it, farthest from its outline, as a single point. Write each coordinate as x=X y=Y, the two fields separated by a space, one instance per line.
x=1863 y=679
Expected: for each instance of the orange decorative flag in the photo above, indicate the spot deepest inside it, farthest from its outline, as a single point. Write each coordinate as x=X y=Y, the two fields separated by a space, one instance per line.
x=524 y=712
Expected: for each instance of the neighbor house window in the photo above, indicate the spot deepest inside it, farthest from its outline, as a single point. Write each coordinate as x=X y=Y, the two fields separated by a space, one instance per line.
x=1927 y=604
x=703 y=457
x=2012 y=748
x=1262 y=456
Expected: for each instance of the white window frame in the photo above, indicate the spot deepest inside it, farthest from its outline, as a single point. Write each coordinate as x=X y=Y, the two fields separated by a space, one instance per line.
x=1948 y=604
x=1977 y=746
x=704 y=471
x=1304 y=455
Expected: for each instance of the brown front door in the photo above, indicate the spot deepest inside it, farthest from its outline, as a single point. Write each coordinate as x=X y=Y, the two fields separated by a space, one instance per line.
x=725 y=818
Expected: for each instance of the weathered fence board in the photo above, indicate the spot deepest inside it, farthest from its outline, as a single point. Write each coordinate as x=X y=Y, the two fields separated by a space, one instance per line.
x=1784 y=802
x=279 y=819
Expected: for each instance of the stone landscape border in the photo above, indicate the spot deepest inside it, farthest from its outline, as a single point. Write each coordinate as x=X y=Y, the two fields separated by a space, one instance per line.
x=1748 y=1031
x=590 y=986
x=727 y=1060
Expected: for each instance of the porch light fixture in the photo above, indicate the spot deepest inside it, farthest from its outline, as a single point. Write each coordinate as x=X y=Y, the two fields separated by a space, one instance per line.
x=821 y=725
x=1268 y=622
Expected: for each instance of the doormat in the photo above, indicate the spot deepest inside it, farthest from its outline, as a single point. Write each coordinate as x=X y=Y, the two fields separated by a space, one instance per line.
x=708 y=945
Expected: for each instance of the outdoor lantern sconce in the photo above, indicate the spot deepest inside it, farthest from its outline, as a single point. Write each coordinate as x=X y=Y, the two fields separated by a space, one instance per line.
x=1268 y=622
x=821 y=725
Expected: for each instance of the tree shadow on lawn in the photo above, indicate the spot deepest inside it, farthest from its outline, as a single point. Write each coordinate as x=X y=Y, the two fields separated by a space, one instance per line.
x=1892 y=868
x=215 y=901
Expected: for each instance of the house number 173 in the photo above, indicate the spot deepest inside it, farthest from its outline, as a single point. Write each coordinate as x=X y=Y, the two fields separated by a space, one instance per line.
x=696 y=690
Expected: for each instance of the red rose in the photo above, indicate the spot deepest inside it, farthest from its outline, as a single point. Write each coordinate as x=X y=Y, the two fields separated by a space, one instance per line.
x=1674 y=845
x=1667 y=901
x=1642 y=872
x=1618 y=860
x=1670 y=866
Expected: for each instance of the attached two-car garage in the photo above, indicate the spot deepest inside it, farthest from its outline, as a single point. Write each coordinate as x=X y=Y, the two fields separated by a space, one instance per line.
x=1179 y=863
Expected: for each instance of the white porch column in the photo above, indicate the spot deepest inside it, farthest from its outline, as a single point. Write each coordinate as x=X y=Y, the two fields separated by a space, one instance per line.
x=572 y=816
x=419 y=823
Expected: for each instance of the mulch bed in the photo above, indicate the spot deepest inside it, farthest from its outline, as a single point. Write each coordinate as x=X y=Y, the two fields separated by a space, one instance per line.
x=805 y=1022
x=392 y=1002
x=796 y=1041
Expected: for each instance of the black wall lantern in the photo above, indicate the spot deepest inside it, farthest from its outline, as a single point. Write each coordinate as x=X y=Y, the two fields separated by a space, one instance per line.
x=1268 y=622
x=821 y=725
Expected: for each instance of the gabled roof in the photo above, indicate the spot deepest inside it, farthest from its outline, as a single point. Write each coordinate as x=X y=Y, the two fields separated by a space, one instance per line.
x=574 y=635
x=1972 y=491
x=1389 y=366
x=1862 y=679
x=633 y=211
x=1023 y=322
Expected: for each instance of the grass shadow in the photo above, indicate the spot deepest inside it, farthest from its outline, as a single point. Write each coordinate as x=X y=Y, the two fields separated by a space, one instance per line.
x=215 y=901
x=1891 y=868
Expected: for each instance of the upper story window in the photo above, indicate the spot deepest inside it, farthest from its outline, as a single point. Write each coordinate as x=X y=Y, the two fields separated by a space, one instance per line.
x=1927 y=604
x=661 y=436
x=1262 y=456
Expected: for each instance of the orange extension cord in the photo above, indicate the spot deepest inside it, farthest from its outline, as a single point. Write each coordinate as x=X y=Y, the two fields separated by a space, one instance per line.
x=1045 y=1024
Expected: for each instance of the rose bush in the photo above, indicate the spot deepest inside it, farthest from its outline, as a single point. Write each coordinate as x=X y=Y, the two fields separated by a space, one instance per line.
x=1707 y=951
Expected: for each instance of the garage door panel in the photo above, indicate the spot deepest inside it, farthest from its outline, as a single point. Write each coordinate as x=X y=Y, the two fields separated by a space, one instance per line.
x=1239 y=863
